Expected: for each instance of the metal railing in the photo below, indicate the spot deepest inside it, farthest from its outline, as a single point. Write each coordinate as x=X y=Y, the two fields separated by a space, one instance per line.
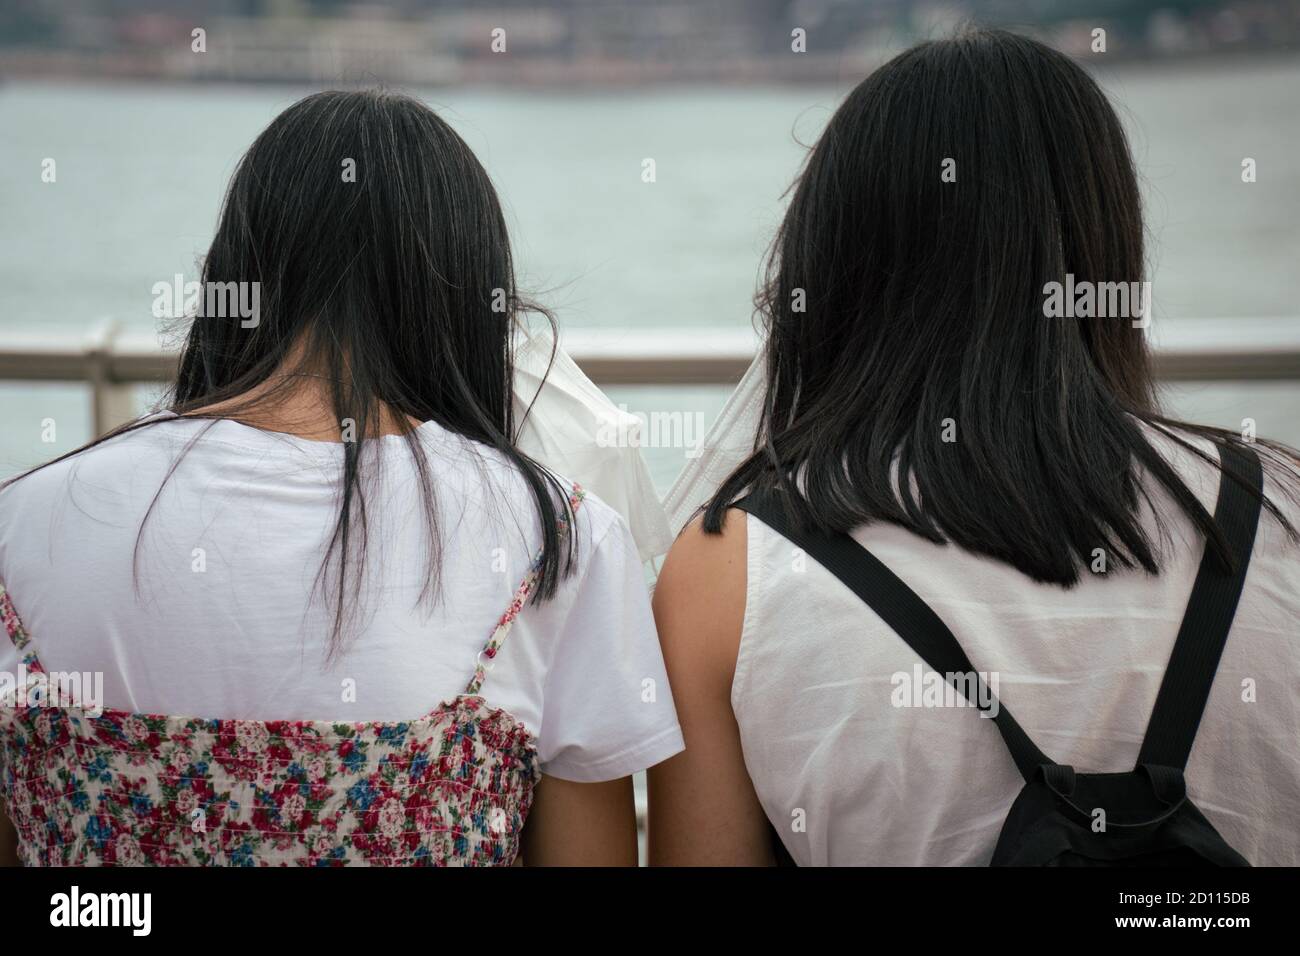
x=113 y=360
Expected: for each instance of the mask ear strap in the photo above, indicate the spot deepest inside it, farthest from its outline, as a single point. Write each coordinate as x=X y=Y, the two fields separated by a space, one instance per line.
x=490 y=650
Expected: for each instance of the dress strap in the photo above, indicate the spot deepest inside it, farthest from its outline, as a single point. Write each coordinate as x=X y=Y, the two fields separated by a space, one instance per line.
x=522 y=593
x=13 y=625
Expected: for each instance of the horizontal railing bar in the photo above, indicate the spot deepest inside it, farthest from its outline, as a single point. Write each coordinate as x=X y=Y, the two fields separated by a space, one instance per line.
x=1254 y=349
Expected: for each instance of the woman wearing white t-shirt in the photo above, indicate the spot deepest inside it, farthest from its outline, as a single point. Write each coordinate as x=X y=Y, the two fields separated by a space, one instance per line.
x=325 y=610
x=1005 y=462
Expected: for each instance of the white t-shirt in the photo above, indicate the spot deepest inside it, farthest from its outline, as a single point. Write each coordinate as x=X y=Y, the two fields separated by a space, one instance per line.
x=877 y=784
x=218 y=619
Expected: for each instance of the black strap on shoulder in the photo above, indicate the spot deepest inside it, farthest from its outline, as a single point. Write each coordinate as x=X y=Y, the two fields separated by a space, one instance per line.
x=1208 y=618
x=899 y=606
x=1195 y=658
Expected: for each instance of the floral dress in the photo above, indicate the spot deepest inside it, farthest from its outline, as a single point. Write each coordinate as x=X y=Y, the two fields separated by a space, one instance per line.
x=450 y=788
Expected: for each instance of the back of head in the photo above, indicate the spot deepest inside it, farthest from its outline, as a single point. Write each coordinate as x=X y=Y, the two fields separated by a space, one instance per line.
x=917 y=372
x=382 y=259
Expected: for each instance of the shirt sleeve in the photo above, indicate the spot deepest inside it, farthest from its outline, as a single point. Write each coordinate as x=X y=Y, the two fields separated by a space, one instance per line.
x=607 y=710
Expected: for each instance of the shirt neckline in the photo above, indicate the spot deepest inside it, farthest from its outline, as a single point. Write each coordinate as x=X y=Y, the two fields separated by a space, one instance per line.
x=232 y=432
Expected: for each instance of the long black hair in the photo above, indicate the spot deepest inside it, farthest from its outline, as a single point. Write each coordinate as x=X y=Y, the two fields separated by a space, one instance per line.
x=385 y=272
x=904 y=304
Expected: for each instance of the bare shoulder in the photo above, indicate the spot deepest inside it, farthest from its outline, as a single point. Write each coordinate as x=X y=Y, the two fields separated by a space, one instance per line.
x=699 y=600
x=703 y=562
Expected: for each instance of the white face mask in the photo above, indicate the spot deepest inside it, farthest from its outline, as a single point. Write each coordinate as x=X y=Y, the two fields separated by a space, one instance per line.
x=569 y=431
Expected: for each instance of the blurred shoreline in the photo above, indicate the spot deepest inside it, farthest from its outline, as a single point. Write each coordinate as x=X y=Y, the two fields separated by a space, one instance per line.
x=577 y=82
x=562 y=44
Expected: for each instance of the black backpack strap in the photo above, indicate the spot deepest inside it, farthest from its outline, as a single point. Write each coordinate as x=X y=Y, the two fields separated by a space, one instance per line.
x=898 y=605
x=1210 y=610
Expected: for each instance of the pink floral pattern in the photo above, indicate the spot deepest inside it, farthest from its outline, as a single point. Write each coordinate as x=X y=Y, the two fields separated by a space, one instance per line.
x=498 y=637
x=453 y=787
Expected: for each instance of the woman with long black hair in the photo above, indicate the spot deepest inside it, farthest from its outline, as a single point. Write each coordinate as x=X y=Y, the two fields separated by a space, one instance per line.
x=290 y=593
x=1006 y=463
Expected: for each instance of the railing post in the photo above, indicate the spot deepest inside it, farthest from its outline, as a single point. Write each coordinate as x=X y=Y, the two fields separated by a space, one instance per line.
x=112 y=402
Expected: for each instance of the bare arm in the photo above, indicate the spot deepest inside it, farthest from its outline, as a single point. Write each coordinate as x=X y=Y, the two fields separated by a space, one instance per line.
x=581 y=824
x=8 y=841
x=703 y=809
